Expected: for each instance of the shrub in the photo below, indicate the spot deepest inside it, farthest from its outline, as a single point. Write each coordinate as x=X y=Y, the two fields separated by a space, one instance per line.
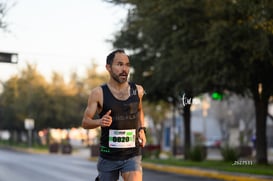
x=198 y=153
x=150 y=151
x=229 y=154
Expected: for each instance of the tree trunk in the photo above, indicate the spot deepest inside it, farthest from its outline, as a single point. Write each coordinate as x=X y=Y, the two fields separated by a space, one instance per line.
x=261 y=109
x=187 y=128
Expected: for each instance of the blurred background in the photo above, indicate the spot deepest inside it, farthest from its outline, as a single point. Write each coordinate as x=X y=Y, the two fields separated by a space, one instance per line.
x=206 y=67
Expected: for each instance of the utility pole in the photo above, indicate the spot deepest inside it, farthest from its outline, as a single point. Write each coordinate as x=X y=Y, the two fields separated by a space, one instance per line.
x=174 y=128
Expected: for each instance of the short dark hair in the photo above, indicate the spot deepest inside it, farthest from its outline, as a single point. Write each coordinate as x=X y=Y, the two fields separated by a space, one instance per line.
x=111 y=56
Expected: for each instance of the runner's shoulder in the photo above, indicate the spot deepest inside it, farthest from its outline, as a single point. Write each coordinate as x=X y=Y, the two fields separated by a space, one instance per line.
x=140 y=90
x=96 y=92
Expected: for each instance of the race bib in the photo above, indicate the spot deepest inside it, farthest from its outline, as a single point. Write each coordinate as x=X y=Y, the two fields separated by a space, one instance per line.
x=122 y=138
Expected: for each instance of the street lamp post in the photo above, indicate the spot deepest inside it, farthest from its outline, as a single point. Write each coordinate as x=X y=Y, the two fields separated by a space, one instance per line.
x=205 y=107
x=29 y=125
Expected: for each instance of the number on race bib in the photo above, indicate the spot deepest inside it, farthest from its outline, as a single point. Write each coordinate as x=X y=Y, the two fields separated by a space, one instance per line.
x=122 y=138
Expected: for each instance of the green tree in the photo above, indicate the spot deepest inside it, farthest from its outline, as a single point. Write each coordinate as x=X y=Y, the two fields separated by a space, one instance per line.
x=193 y=47
x=240 y=38
x=29 y=95
x=164 y=38
x=54 y=104
x=24 y=96
x=3 y=11
x=65 y=110
x=8 y=103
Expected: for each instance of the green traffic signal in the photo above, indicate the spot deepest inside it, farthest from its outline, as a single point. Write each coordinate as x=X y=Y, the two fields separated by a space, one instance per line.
x=217 y=96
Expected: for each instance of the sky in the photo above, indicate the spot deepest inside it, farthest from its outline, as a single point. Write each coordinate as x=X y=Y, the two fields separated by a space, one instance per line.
x=59 y=35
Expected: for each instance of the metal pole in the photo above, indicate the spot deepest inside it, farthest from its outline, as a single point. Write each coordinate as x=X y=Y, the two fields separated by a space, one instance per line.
x=29 y=138
x=174 y=129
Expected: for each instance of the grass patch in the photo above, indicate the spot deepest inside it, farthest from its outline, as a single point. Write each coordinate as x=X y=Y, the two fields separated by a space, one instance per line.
x=36 y=147
x=217 y=165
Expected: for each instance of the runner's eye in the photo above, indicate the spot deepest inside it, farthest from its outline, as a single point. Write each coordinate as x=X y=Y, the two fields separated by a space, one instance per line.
x=120 y=64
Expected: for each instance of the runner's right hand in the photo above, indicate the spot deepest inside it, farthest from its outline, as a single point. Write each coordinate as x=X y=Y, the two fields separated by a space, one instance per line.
x=106 y=119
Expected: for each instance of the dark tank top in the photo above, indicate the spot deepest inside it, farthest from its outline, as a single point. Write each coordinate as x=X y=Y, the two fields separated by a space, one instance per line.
x=119 y=141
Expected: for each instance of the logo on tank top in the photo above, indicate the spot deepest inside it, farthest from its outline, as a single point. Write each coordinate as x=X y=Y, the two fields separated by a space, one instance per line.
x=134 y=92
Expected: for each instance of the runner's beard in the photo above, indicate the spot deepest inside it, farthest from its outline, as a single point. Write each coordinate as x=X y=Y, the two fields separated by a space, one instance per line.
x=119 y=78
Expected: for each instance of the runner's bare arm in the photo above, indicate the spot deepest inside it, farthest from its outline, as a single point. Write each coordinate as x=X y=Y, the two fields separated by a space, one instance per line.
x=142 y=135
x=140 y=94
x=92 y=107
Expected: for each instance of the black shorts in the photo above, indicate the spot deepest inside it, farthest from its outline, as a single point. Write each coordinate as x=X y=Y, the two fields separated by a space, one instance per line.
x=109 y=170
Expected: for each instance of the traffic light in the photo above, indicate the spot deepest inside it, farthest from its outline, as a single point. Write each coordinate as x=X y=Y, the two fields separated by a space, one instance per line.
x=217 y=96
x=8 y=57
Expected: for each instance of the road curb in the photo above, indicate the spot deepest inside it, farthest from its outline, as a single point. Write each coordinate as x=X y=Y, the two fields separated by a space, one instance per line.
x=203 y=173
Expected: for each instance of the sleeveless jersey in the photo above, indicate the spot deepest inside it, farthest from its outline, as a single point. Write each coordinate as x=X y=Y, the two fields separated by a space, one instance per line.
x=119 y=141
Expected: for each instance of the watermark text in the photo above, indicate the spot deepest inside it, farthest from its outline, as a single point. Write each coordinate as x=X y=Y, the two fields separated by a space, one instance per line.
x=243 y=163
x=188 y=101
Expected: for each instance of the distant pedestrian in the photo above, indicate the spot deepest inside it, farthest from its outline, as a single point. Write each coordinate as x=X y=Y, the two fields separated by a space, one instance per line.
x=121 y=118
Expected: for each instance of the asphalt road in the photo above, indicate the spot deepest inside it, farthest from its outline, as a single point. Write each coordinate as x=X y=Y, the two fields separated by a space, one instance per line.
x=150 y=175
x=19 y=166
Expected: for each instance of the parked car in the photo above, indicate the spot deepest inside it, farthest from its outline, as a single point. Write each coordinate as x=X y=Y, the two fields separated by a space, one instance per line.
x=213 y=142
